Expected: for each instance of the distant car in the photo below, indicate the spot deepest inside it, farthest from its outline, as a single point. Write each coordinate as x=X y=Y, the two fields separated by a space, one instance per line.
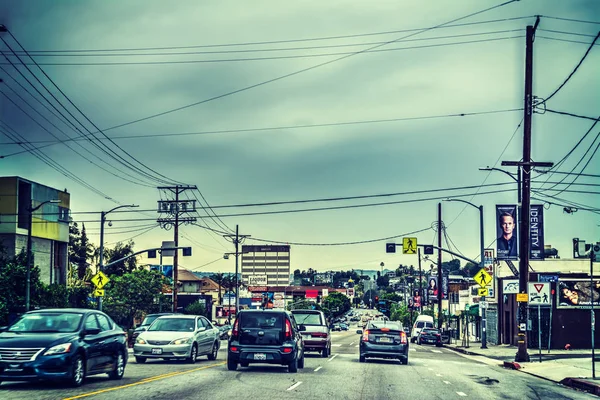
x=224 y=331
x=266 y=337
x=344 y=326
x=316 y=336
x=178 y=337
x=383 y=339
x=148 y=320
x=336 y=327
x=62 y=344
x=430 y=335
x=423 y=321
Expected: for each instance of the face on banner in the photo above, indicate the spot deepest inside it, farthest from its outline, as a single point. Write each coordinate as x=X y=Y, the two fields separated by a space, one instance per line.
x=577 y=293
x=506 y=228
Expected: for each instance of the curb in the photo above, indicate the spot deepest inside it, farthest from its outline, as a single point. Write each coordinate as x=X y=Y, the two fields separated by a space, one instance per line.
x=583 y=385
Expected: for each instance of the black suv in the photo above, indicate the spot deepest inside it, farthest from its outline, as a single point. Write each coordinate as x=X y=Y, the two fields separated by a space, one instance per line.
x=266 y=337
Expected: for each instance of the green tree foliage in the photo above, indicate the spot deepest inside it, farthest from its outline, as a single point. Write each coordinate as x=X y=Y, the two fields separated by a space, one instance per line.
x=133 y=294
x=383 y=281
x=195 y=308
x=120 y=250
x=394 y=297
x=471 y=269
x=400 y=312
x=81 y=250
x=219 y=279
x=337 y=303
x=452 y=267
x=303 y=305
x=13 y=278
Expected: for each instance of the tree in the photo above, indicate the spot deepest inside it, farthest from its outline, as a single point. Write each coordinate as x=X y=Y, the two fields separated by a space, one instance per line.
x=134 y=293
x=219 y=279
x=120 y=251
x=337 y=303
x=400 y=312
x=81 y=250
x=195 y=308
x=13 y=278
x=383 y=281
x=451 y=267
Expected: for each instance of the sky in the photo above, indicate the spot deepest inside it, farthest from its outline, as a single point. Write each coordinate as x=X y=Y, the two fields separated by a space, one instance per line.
x=292 y=101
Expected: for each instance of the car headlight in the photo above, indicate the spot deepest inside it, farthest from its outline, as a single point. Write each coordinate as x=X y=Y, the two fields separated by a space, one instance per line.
x=184 y=340
x=140 y=340
x=58 y=349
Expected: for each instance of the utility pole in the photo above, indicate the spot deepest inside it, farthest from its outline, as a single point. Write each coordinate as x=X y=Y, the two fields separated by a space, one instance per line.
x=175 y=208
x=420 y=283
x=237 y=239
x=525 y=210
x=440 y=285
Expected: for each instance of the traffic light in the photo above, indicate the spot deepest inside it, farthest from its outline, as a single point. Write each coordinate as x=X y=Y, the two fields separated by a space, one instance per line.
x=187 y=251
x=428 y=249
x=390 y=247
x=151 y=253
x=376 y=298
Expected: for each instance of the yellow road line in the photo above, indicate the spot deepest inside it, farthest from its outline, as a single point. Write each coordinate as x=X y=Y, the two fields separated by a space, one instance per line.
x=143 y=381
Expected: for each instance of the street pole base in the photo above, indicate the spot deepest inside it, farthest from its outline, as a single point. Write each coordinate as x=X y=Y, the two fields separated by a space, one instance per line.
x=522 y=357
x=483 y=346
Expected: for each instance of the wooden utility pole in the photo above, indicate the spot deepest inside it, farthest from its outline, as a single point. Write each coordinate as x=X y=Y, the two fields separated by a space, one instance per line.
x=439 y=264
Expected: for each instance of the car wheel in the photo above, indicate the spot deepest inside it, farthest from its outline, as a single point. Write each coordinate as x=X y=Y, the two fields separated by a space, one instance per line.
x=231 y=365
x=119 y=370
x=325 y=352
x=293 y=365
x=301 y=362
x=419 y=342
x=404 y=361
x=244 y=364
x=362 y=358
x=140 y=360
x=77 y=375
x=213 y=353
x=193 y=354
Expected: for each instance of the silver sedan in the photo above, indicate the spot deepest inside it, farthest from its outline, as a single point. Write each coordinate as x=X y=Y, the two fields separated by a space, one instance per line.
x=178 y=337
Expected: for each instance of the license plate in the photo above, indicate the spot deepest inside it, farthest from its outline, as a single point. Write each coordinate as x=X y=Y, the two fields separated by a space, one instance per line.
x=385 y=340
x=13 y=369
x=156 y=351
x=260 y=356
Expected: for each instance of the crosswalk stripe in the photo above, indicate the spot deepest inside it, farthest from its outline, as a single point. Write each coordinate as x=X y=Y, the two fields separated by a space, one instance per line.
x=436 y=351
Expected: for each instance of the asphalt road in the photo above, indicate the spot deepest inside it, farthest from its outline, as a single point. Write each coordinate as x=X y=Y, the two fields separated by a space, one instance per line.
x=432 y=373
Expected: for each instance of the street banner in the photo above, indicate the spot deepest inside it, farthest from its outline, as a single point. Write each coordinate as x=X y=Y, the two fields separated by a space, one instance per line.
x=536 y=232
x=506 y=232
x=432 y=289
x=445 y=285
x=577 y=293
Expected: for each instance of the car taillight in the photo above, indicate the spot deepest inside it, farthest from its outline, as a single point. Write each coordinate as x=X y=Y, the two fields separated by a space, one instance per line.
x=234 y=330
x=287 y=350
x=233 y=348
x=288 y=329
x=318 y=334
x=403 y=337
x=365 y=337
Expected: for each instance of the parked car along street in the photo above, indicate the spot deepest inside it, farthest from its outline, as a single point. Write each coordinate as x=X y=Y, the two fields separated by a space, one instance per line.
x=430 y=335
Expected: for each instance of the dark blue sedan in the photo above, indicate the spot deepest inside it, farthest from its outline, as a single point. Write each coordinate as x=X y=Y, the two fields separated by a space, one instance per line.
x=62 y=344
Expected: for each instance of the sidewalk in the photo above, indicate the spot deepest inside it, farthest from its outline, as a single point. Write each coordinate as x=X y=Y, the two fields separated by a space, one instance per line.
x=569 y=367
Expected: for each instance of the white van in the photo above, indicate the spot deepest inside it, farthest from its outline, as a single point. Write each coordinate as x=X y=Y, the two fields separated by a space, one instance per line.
x=423 y=321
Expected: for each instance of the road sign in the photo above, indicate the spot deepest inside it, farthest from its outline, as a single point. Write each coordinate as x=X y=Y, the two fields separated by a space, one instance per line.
x=483 y=278
x=257 y=280
x=390 y=247
x=409 y=245
x=100 y=280
x=522 y=297
x=98 y=293
x=482 y=292
x=428 y=249
x=548 y=278
x=539 y=293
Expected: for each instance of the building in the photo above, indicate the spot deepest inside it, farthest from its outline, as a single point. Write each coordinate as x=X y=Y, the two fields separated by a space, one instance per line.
x=49 y=224
x=266 y=265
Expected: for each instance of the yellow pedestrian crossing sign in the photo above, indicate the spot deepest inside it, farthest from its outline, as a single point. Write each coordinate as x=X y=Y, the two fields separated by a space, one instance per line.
x=98 y=293
x=100 y=279
x=409 y=245
x=483 y=278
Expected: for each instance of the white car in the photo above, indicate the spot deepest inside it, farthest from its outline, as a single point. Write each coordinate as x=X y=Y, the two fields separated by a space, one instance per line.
x=178 y=337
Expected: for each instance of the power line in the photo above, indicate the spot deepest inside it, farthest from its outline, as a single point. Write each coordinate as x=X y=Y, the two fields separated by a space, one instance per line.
x=563 y=40
x=567 y=173
x=300 y=71
x=571 y=20
x=569 y=114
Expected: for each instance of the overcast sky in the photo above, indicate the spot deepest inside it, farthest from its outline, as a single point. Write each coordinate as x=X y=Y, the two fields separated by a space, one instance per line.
x=282 y=101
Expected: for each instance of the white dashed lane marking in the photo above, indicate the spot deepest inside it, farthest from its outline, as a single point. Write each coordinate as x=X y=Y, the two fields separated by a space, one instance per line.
x=446 y=382
x=336 y=345
x=461 y=394
x=294 y=386
x=318 y=368
x=436 y=351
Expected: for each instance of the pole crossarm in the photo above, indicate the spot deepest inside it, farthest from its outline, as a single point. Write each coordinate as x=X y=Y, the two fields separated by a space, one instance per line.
x=140 y=252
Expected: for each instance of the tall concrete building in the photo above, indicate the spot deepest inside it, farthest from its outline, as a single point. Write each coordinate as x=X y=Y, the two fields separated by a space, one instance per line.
x=266 y=265
x=49 y=225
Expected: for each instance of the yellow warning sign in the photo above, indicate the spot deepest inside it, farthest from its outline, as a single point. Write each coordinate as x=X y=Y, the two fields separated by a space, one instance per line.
x=409 y=245
x=483 y=278
x=98 y=293
x=482 y=292
x=522 y=297
x=100 y=279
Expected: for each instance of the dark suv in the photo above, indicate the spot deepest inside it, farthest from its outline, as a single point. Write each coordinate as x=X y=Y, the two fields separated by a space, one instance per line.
x=266 y=337
x=316 y=336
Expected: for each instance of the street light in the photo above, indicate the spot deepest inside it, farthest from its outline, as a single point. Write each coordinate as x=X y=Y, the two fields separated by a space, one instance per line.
x=481 y=261
x=103 y=215
x=512 y=176
x=31 y=209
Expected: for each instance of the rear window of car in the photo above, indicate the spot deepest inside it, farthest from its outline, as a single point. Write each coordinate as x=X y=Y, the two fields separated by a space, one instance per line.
x=261 y=320
x=308 y=319
x=385 y=324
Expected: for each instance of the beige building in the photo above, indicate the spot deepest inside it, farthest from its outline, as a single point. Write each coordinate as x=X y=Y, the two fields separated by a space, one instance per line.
x=266 y=265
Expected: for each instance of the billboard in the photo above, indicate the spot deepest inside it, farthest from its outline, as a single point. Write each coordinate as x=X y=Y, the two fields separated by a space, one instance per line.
x=257 y=280
x=536 y=232
x=577 y=293
x=506 y=232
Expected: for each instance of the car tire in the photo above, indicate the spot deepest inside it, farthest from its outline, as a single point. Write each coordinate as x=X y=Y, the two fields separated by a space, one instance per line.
x=325 y=352
x=119 y=370
x=245 y=364
x=231 y=365
x=362 y=358
x=293 y=366
x=301 y=362
x=140 y=360
x=193 y=354
x=77 y=375
x=214 y=352
x=404 y=361
x=419 y=342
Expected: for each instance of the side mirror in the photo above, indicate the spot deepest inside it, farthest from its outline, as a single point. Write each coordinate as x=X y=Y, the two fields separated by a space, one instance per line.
x=359 y=331
x=3 y=328
x=302 y=328
x=91 y=331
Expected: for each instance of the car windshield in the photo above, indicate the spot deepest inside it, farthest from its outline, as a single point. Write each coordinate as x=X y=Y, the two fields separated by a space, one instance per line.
x=47 y=323
x=173 y=325
x=429 y=330
x=384 y=324
x=308 y=319
x=149 y=320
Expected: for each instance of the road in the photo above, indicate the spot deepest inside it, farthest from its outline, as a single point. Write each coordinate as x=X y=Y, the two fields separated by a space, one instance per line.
x=432 y=373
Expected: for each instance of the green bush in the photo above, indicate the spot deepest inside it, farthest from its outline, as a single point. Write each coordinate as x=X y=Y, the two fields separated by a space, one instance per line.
x=196 y=308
